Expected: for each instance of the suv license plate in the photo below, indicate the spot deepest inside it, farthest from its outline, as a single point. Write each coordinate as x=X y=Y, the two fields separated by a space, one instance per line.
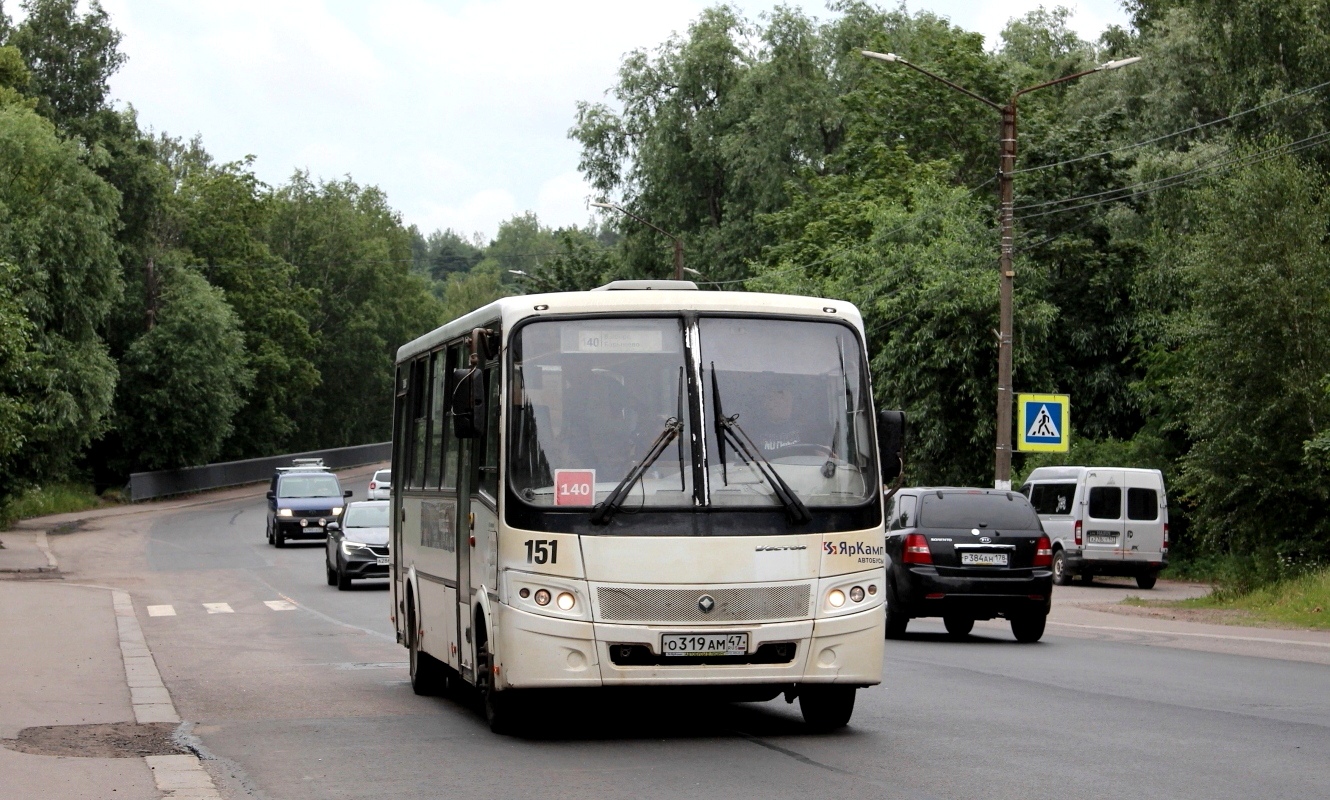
x=704 y=644
x=984 y=559
x=382 y=561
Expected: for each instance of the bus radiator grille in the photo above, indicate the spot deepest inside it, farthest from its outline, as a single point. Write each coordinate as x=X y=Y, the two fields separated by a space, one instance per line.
x=736 y=604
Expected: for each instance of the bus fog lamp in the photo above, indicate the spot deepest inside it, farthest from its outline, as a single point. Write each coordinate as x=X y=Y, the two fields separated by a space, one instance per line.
x=836 y=598
x=542 y=597
x=857 y=594
x=565 y=600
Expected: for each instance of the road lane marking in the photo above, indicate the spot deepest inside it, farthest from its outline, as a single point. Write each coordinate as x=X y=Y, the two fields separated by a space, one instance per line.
x=1229 y=637
x=161 y=611
x=280 y=605
x=218 y=608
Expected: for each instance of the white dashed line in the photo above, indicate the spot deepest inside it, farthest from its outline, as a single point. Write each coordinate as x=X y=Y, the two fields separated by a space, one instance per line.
x=218 y=608
x=280 y=605
x=161 y=611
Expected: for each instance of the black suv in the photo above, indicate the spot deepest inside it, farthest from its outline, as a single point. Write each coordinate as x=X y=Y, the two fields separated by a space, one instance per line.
x=964 y=555
x=302 y=500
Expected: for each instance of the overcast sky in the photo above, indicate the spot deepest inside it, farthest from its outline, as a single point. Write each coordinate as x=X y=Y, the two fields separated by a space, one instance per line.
x=458 y=109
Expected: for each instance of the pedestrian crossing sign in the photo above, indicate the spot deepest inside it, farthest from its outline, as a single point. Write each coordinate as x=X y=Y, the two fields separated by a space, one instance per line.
x=1043 y=423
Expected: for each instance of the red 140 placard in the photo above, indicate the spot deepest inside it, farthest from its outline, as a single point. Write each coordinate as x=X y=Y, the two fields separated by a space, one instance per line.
x=574 y=487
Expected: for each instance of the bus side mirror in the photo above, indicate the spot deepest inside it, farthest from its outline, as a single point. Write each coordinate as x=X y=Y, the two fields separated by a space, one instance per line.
x=468 y=403
x=891 y=443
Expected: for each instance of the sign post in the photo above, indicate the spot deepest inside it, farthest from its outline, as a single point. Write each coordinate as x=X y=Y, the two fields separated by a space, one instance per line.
x=1043 y=423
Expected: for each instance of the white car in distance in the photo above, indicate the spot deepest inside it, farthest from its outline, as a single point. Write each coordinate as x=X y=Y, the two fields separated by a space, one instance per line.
x=380 y=484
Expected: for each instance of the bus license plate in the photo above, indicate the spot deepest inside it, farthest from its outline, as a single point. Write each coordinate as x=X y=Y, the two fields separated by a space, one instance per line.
x=984 y=559
x=382 y=561
x=704 y=644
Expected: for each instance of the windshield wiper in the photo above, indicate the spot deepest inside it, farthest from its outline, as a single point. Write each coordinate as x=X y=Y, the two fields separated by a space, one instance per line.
x=602 y=513
x=795 y=509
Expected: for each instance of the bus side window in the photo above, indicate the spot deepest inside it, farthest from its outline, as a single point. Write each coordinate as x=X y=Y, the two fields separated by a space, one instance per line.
x=420 y=421
x=437 y=423
x=489 y=466
x=452 y=445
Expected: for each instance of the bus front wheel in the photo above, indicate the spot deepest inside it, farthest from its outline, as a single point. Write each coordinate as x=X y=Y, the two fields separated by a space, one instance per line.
x=501 y=707
x=826 y=707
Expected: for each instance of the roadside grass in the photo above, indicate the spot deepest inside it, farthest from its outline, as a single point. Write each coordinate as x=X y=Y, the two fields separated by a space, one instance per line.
x=1301 y=602
x=56 y=498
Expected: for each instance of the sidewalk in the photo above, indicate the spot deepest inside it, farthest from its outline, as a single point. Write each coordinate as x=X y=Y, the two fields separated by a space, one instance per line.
x=26 y=552
x=60 y=665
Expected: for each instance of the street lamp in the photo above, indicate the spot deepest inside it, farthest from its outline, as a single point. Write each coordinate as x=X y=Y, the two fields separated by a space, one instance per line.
x=539 y=279
x=1007 y=164
x=678 y=243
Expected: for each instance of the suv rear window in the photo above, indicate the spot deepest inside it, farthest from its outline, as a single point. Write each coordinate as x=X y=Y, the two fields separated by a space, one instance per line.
x=965 y=510
x=1142 y=504
x=1052 y=498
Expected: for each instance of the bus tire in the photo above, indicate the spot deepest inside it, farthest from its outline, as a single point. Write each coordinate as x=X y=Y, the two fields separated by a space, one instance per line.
x=427 y=676
x=826 y=706
x=502 y=710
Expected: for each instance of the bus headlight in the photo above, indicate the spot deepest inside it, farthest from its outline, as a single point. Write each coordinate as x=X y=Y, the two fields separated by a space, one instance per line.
x=857 y=594
x=566 y=601
x=835 y=598
x=542 y=597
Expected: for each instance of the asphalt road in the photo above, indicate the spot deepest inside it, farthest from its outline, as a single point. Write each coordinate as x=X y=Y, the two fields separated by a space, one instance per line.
x=297 y=690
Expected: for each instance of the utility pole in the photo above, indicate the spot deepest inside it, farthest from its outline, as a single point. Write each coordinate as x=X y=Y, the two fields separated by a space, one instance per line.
x=678 y=243
x=150 y=292
x=1007 y=272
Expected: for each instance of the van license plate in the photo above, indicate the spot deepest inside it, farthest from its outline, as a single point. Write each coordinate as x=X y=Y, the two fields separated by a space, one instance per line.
x=984 y=559
x=704 y=644
x=1101 y=537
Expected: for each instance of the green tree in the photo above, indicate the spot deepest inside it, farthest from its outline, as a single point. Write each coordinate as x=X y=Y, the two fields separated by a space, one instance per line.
x=184 y=380
x=1249 y=357
x=223 y=213
x=57 y=224
x=351 y=251
x=70 y=59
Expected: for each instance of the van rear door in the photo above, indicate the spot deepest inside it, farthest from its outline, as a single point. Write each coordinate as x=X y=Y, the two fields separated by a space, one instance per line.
x=1146 y=516
x=1104 y=527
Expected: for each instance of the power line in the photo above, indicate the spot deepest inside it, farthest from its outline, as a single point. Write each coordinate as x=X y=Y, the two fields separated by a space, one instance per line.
x=1182 y=178
x=1135 y=145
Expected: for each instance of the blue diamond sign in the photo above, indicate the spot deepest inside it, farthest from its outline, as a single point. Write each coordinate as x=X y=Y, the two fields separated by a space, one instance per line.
x=1042 y=422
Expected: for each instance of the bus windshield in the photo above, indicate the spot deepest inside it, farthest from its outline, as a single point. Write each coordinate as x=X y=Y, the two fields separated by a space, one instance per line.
x=591 y=398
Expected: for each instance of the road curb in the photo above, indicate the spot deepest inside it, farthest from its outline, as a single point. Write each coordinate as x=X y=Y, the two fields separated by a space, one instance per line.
x=181 y=777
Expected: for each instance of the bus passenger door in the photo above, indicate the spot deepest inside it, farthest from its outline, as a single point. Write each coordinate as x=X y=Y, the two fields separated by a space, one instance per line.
x=461 y=450
x=485 y=491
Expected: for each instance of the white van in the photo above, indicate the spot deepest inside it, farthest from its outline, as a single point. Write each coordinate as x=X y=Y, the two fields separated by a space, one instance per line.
x=1102 y=521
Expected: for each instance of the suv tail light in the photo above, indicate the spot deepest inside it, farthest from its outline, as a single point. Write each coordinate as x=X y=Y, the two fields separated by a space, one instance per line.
x=916 y=550
x=1043 y=551
x=1078 y=533
x=1165 y=547
x=373 y=486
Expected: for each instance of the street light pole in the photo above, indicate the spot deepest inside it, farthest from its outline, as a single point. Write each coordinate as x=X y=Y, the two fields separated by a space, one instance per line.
x=1006 y=271
x=678 y=243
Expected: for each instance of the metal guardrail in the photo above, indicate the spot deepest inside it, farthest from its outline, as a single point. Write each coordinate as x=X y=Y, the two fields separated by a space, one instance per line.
x=164 y=483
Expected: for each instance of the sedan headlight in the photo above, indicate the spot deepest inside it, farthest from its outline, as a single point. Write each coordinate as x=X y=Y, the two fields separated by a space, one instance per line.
x=284 y=512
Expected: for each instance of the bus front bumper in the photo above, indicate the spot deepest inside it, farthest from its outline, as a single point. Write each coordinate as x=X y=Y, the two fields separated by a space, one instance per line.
x=543 y=652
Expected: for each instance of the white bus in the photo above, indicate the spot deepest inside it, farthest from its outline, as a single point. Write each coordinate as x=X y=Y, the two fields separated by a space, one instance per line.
x=642 y=485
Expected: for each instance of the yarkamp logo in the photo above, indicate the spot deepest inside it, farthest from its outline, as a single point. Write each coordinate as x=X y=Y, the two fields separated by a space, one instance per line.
x=706 y=603
x=774 y=548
